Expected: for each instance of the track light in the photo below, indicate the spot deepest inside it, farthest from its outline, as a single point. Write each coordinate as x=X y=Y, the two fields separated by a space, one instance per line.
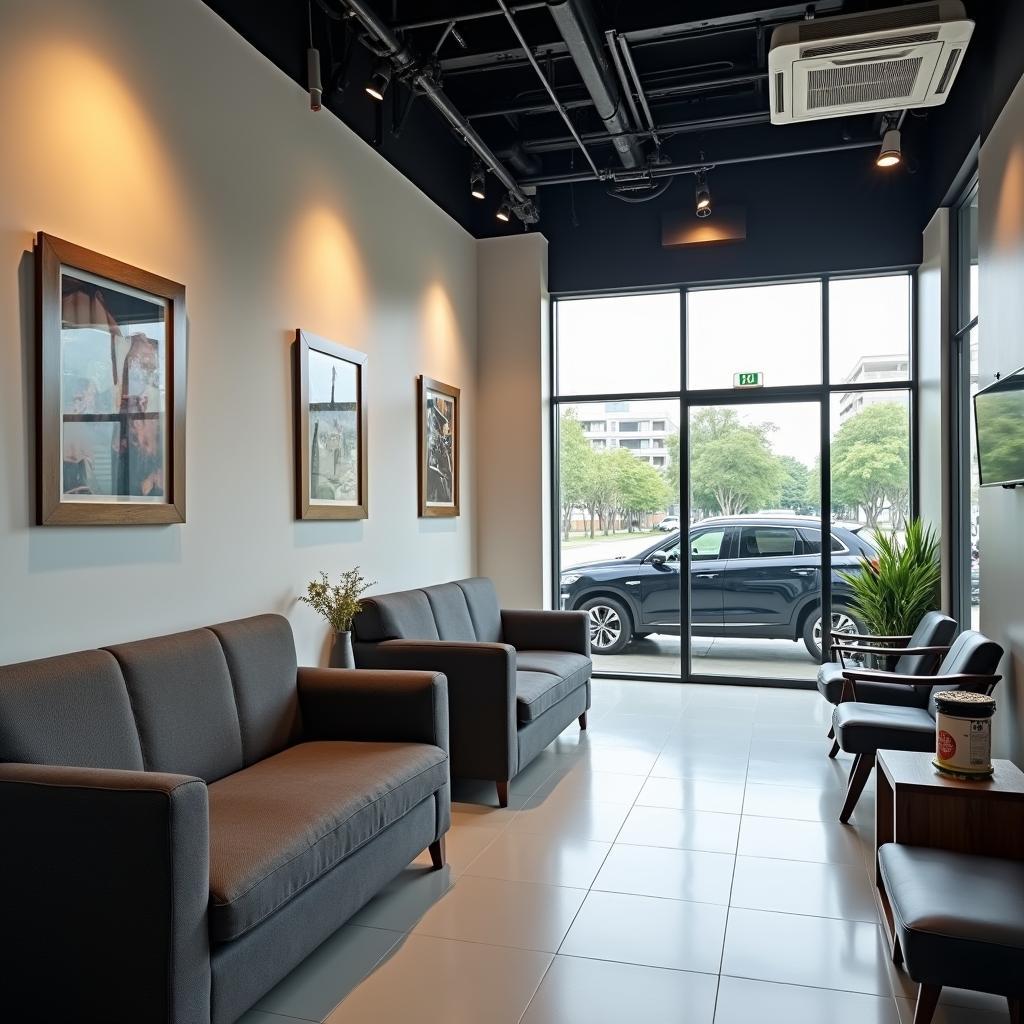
x=504 y=213
x=703 y=194
x=478 y=182
x=891 y=152
x=316 y=89
x=379 y=80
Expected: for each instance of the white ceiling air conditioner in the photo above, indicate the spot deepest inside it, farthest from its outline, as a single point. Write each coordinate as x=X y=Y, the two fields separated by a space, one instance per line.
x=863 y=63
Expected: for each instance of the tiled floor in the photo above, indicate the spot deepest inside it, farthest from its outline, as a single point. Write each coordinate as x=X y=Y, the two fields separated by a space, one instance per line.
x=682 y=860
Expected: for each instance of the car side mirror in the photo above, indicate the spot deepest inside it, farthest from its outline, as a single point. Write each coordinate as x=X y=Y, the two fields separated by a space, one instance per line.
x=658 y=559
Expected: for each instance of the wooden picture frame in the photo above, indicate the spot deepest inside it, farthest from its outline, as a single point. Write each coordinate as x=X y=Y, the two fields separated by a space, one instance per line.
x=341 y=490
x=440 y=448
x=110 y=400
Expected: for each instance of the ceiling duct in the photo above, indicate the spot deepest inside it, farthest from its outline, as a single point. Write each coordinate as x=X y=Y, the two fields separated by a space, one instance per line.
x=575 y=20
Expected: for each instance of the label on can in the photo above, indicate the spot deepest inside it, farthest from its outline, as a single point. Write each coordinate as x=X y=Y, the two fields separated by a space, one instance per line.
x=963 y=744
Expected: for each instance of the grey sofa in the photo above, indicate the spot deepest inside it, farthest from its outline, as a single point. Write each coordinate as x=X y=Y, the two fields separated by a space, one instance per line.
x=516 y=679
x=186 y=818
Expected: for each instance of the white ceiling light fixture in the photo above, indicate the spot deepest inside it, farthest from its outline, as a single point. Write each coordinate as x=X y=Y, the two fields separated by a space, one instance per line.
x=869 y=62
x=891 y=152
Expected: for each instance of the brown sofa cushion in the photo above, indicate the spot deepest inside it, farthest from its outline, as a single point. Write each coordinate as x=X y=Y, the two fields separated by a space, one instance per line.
x=279 y=825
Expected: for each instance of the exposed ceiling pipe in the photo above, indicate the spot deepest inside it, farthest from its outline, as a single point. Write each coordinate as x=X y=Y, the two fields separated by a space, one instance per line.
x=405 y=62
x=672 y=170
x=547 y=86
x=613 y=48
x=575 y=20
x=627 y=56
x=702 y=124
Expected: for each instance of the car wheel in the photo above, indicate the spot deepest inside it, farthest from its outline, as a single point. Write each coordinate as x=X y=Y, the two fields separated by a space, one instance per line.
x=610 y=625
x=843 y=620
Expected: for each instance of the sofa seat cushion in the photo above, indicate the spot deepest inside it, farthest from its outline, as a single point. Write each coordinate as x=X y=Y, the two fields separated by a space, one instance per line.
x=830 y=686
x=556 y=663
x=543 y=678
x=279 y=825
x=960 y=917
x=867 y=728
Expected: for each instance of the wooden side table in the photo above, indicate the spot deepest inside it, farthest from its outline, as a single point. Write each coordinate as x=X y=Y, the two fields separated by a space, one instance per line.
x=918 y=806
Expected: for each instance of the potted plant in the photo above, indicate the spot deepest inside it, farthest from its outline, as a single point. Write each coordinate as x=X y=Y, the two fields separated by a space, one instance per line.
x=339 y=604
x=893 y=592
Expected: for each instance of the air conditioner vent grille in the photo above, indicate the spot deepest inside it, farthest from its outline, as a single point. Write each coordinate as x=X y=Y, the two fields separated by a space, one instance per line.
x=912 y=16
x=947 y=73
x=855 y=84
x=857 y=45
x=780 y=91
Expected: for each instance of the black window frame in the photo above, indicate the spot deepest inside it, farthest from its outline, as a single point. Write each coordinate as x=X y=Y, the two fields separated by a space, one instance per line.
x=688 y=399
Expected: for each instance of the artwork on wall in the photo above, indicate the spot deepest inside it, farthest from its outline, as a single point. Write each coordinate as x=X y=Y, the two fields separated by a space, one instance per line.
x=110 y=390
x=330 y=430
x=439 y=445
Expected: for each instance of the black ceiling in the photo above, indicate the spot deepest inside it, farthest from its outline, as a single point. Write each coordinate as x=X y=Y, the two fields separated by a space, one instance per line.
x=702 y=67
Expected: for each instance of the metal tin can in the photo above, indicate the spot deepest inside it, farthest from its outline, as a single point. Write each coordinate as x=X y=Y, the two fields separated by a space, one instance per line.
x=963 y=733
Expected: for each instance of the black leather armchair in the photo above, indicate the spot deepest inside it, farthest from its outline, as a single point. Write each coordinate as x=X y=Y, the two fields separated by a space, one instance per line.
x=863 y=728
x=959 y=921
x=914 y=655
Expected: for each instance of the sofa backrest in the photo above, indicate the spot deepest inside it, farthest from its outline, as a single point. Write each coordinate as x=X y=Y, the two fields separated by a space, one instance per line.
x=972 y=653
x=464 y=610
x=934 y=630
x=205 y=703
x=69 y=710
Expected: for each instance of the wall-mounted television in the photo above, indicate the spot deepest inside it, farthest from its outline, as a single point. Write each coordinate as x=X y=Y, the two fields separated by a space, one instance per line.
x=999 y=422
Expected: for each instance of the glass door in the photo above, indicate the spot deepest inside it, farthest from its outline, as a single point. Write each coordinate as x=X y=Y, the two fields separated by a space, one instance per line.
x=754 y=540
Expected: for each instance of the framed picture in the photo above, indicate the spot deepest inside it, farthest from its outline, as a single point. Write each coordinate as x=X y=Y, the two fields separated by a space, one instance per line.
x=439 y=448
x=330 y=430
x=110 y=383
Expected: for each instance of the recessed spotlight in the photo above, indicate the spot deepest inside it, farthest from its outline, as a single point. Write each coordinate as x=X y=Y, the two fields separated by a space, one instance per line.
x=504 y=213
x=379 y=80
x=478 y=182
x=891 y=152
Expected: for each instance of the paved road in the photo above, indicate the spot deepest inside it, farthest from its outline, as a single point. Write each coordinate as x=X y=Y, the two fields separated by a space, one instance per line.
x=769 y=659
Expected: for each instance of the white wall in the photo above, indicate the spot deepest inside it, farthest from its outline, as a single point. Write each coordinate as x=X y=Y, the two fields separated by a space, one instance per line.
x=151 y=132
x=513 y=420
x=933 y=405
x=1001 y=350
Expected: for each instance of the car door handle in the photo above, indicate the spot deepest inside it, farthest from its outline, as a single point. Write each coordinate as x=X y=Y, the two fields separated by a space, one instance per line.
x=803 y=572
x=632 y=583
x=707 y=575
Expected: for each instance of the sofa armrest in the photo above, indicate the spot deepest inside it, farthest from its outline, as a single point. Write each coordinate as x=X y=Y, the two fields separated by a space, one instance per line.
x=358 y=704
x=528 y=630
x=105 y=879
x=481 y=698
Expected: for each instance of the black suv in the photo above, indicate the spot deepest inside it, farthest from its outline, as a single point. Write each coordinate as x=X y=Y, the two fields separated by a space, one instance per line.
x=750 y=576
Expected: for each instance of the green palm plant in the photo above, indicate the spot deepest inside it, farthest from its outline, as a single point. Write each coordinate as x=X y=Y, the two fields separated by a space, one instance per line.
x=893 y=592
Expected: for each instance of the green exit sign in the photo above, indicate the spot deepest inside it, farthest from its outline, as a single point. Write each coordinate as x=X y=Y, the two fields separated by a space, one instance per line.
x=748 y=380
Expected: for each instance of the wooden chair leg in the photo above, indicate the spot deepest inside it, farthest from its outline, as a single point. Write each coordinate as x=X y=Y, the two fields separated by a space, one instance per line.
x=834 y=749
x=859 y=775
x=831 y=732
x=502 y=793
x=437 y=854
x=897 y=953
x=927 y=1000
x=1016 y=1010
x=583 y=721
